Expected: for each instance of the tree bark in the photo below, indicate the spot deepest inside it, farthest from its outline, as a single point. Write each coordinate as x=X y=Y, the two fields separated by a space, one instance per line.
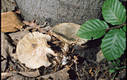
x=59 y=11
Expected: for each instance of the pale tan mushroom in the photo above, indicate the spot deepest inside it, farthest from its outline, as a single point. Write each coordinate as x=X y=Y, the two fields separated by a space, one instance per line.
x=66 y=32
x=32 y=50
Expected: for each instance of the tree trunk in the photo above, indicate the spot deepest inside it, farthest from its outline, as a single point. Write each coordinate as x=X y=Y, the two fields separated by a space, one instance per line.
x=59 y=11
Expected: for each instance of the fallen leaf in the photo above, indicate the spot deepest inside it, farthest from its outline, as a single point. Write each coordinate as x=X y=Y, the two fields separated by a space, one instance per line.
x=6 y=47
x=30 y=74
x=99 y=56
x=59 y=75
x=5 y=75
x=10 y=22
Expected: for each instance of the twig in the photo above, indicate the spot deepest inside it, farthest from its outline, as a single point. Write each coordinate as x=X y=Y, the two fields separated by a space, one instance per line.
x=115 y=27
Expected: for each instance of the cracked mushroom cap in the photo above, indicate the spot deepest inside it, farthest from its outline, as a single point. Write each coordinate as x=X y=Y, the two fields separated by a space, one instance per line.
x=66 y=32
x=32 y=50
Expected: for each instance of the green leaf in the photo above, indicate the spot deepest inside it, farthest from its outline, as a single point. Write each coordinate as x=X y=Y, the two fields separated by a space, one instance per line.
x=115 y=64
x=112 y=70
x=113 y=44
x=114 y=12
x=92 y=29
x=124 y=28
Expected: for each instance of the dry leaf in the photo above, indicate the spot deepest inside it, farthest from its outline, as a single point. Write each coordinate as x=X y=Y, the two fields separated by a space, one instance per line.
x=99 y=56
x=10 y=22
x=6 y=47
x=5 y=75
x=59 y=75
x=32 y=50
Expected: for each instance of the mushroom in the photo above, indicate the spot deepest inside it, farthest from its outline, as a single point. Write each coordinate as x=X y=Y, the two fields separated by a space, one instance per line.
x=32 y=50
x=66 y=32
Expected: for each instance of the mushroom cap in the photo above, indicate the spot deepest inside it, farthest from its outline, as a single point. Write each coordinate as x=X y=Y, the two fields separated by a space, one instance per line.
x=32 y=50
x=67 y=32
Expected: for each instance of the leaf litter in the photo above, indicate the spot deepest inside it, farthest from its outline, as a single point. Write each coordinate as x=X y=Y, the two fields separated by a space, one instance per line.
x=73 y=61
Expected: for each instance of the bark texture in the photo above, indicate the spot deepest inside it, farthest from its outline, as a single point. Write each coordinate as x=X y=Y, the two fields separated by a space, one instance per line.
x=58 y=11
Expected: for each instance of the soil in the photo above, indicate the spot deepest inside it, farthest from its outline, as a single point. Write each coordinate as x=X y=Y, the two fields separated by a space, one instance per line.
x=80 y=64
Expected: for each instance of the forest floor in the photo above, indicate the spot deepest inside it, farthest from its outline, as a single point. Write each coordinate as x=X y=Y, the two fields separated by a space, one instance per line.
x=81 y=62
